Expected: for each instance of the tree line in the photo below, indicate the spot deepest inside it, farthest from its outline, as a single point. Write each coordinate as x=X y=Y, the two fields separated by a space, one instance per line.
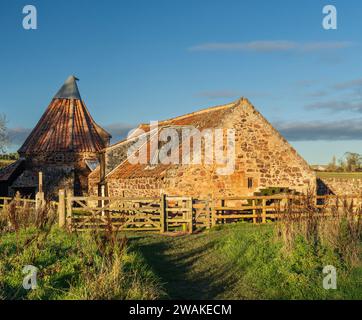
x=350 y=162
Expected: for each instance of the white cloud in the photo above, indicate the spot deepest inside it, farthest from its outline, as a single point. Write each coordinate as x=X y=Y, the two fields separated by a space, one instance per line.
x=349 y=129
x=336 y=105
x=271 y=46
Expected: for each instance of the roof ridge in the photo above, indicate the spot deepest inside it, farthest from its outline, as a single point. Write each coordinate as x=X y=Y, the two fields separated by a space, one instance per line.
x=164 y=122
x=208 y=109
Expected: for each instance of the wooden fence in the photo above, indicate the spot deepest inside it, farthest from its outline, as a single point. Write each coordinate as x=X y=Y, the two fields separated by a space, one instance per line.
x=172 y=213
x=20 y=202
x=260 y=209
x=161 y=214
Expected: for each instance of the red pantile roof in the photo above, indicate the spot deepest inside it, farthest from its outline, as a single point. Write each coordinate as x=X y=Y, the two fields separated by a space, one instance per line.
x=66 y=125
x=203 y=119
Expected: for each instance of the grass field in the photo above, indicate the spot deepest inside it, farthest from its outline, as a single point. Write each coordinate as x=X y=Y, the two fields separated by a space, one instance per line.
x=347 y=175
x=4 y=163
x=239 y=261
x=72 y=266
x=245 y=261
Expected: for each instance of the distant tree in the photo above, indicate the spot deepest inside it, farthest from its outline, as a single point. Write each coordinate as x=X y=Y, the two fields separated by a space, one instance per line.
x=332 y=166
x=353 y=161
x=9 y=156
x=3 y=134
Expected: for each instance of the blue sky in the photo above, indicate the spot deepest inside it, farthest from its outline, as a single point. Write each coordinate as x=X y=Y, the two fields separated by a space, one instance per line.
x=146 y=60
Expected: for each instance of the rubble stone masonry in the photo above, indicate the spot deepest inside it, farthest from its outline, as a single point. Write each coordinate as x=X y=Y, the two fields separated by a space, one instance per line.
x=263 y=159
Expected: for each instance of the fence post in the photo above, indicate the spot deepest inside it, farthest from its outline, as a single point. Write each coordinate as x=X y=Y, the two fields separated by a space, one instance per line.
x=254 y=211
x=213 y=213
x=263 y=217
x=190 y=215
x=223 y=212
x=209 y=213
x=103 y=194
x=69 y=209
x=163 y=213
x=61 y=208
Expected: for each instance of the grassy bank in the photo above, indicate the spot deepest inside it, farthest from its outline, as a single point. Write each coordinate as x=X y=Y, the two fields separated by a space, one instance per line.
x=240 y=261
x=73 y=266
x=281 y=260
x=245 y=261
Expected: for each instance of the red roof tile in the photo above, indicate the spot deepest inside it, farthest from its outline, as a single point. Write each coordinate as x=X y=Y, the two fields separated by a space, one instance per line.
x=66 y=125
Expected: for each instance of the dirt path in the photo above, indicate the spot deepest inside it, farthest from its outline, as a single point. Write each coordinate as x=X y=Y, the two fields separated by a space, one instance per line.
x=189 y=266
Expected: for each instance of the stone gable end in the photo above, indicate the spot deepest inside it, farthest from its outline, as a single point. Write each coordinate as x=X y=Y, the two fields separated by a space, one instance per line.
x=263 y=159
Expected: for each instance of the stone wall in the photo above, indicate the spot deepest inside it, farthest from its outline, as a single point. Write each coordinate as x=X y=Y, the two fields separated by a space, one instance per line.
x=263 y=158
x=137 y=187
x=340 y=186
x=264 y=155
x=66 y=170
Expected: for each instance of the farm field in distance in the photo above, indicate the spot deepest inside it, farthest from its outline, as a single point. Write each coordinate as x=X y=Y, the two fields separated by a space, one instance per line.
x=4 y=163
x=348 y=175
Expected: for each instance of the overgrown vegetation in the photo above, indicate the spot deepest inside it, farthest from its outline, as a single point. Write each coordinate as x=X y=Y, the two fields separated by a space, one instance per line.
x=70 y=265
x=286 y=262
x=283 y=260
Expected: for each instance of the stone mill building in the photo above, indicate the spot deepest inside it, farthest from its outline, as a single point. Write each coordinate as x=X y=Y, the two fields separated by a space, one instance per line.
x=64 y=146
x=263 y=159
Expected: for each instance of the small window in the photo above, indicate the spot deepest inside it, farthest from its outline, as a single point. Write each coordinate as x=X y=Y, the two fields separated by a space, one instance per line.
x=250 y=183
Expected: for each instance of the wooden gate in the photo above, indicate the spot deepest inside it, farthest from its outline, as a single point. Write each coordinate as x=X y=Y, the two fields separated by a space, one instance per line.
x=179 y=214
x=202 y=213
x=113 y=213
x=158 y=214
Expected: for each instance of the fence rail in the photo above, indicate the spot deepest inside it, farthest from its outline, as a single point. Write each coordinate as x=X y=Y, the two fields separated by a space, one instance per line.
x=174 y=213
x=20 y=202
x=262 y=208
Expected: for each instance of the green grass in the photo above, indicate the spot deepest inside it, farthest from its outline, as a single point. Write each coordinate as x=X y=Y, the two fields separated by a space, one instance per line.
x=245 y=261
x=73 y=267
x=238 y=261
x=4 y=163
x=346 y=175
